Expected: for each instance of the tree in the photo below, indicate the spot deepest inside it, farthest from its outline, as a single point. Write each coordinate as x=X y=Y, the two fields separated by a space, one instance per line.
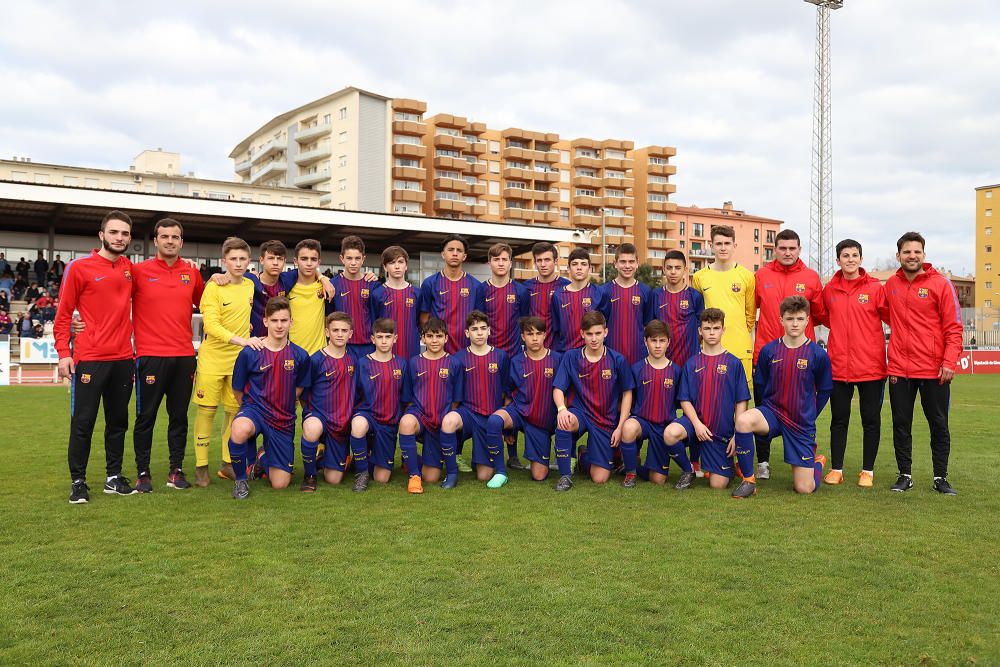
x=644 y=274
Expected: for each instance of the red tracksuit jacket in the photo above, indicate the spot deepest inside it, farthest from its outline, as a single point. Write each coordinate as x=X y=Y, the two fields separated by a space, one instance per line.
x=776 y=281
x=102 y=291
x=926 y=323
x=162 y=297
x=854 y=310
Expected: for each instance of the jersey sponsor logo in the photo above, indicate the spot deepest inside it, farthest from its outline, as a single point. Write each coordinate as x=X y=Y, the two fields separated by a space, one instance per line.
x=862 y=298
x=549 y=372
x=493 y=367
x=721 y=369
x=586 y=302
x=464 y=292
x=443 y=373
x=397 y=373
x=85 y=378
x=511 y=298
x=684 y=305
x=186 y=278
x=289 y=364
x=150 y=379
x=800 y=288
x=606 y=374
x=668 y=382
x=636 y=300
x=922 y=293
x=737 y=287
x=264 y=368
x=802 y=364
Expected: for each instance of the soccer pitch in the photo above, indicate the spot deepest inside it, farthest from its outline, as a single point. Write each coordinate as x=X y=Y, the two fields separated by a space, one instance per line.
x=522 y=575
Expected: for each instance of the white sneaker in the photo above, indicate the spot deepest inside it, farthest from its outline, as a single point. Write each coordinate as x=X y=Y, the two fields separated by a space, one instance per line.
x=763 y=470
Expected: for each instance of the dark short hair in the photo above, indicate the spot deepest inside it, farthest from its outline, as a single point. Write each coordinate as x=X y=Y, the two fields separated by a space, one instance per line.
x=722 y=230
x=338 y=316
x=676 y=254
x=276 y=248
x=476 y=316
x=543 y=247
x=626 y=249
x=167 y=222
x=656 y=328
x=394 y=252
x=434 y=325
x=848 y=243
x=712 y=315
x=578 y=253
x=908 y=237
x=793 y=304
x=531 y=323
x=308 y=244
x=384 y=325
x=592 y=318
x=787 y=235
x=456 y=237
x=276 y=303
x=115 y=215
x=352 y=243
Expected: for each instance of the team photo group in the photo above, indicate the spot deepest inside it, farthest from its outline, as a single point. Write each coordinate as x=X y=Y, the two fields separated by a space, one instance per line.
x=707 y=369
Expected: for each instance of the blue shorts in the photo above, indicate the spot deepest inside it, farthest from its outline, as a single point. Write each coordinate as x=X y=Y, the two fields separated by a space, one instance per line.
x=474 y=426
x=800 y=445
x=431 y=454
x=384 y=435
x=599 y=450
x=657 y=459
x=713 y=452
x=537 y=441
x=337 y=443
x=279 y=444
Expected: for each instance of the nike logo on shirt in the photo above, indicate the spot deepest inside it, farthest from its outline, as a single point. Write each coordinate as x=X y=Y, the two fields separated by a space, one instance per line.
x=372 y=377
x=565 y=305
x=331 y=373
x=224 y=304
x=98 y=279
x=345 y=293
x=264 y=368
x=444 y=292
x=617 y=298
x=469 y=370
x=527 y=374
x=698 y=370
x=421 y=374
x=645 y=382
x=776 y=361
x=489 y=298
x=387 y=303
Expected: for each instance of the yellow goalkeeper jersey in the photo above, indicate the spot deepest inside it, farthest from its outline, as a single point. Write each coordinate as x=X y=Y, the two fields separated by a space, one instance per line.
x=225 y=312
x=308 y=316
x=732 y=292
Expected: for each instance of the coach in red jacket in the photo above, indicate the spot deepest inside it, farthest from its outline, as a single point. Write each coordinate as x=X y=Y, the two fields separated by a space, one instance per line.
x=786 y=276
x=924 y=345
x=99 y=364
x=854 y=306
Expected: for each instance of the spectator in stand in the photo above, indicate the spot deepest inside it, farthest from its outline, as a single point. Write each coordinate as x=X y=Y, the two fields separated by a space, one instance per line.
x=6 y=324
x=46 y=308
x=22 y=269
x=7 y=283
x=24 y=325
x=32 y=292
x=38 y=331
x=20 y=285
x=53 y=289
x=57 y=269
x=41 y=268
x=4 y=264
x=5 y=303
x=205 y=271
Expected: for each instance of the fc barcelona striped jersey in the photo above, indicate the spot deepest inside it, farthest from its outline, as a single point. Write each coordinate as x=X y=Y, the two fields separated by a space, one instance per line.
x=714 y=384
x=451 y=301
x=531 y=384
x=380 y=388
x=628 y=312
x=505 y=306
x=567 y=310
x=430 y=386
x=402 y=306
x=262 y=292
x=680 y=311
x=334 y=385
x=482 y=380
x=792 y=379
x=597 y=385
x=268 y=380
x=354 y=298
x=540 y=302
x=656 y=391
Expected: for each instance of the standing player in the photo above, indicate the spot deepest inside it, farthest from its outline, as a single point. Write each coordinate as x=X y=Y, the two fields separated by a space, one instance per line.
x=329 y=406
x=531 y=410
x=602 y=399
x=430 y=379
x=353 y=295
x=399 y=301
x=657 y=380
x=380 y=385
x=307 y=299
x=225 y=311
x=481 y=383
x=164 y=290
x=853 y=306
x=267 y=382
x=571 y=302
x=794 y=377
x=628 y=303
x=99 y=363
x=926 y=340
x=450 y=294
x=540 y=289
x=785 y=276
x=713 y=392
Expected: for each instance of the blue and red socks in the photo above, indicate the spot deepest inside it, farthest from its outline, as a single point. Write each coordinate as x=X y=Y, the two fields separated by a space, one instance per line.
x=630 y=456
x=677 y=453
x=745 y=454
x=564 y=445
x=308 y=449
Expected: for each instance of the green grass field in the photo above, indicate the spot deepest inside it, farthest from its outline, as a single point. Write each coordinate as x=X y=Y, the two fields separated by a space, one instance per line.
x=517 y=576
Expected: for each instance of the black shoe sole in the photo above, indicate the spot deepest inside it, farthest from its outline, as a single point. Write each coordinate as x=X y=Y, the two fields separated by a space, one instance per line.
x=895 y=490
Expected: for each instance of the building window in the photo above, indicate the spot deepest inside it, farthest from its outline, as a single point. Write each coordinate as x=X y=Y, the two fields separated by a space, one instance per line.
x=756 y=236
x=494 y=167
x=342 y=161
x=697 y=229
x=493 y=207
x=989 y=284
x=989 y=266
x=988 y=231
x=71 y=181
x=342 y=138
x=989 y=248
x=989 y=213
x=342 y=184
x=756 y=250
x=343 y=113
x=756 y=267
x=494 y=147
x=683 y=243
x=586 y=192
x=989 y=194
x=680 y=228
x=988 y=303
x=326 y=119
x=770 y=236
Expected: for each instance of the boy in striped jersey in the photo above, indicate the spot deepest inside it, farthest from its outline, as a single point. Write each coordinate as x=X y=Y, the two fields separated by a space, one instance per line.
x=601 y=384
x=380 y=385
x=353 y=295
x=657 y=380
x=429 y=388
x=267 y=382
x=713 y=391
x=540 y=289
x=450 y=293
x=570 y=302
x=531 y=409
x=628 y=303
x=399 y=301
x=794 y=375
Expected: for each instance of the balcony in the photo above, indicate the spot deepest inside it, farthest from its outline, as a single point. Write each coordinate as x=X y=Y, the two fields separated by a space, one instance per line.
x=308 y=157
x=619 y=163
x=588 y=182
x=518 y=193
x=661 y=244
x=518 y=174
x=586 y=220
x=450 y=163
x=549 y=157
x=588 y=200
x=409 y=150
x=617 y=144
x=272 y=147
x=478 y=188
x=267 y=170
x=546 y=195
x=660 y=151
x=517 y=153
x=409 y=105
x=243 y=167
x=411 y=127
x=662 y=188
x=661 y=206
x=661 y=169
x=474 y=168
x=618 y=202
x=325 y=198
x=304 y=135
x=399 y=194
x=448 y=120
x=662 y=225
x=546 y=176
x=305 y=180
x=517 y=213
x=655 y=262
x=450 y=206
x=585 y=161
x=583 y=142
x=620 y=183
x=451 y=142
x=701 y=252
x=478 y=148
x=453 y=184
x=478 y=209
x=409 y=173
x=547 y=216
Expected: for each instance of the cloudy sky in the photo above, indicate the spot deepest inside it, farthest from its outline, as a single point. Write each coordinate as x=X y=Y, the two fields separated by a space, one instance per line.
x=729 y=83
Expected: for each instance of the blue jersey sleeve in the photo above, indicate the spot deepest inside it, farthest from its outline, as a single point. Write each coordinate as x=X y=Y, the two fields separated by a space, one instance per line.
x=426 y=301
x=762 y=374
x=255 y=279
x=603 y=304
x=823 y=377
x=479 y=298
x=688 y=390
x=697 y=301
x=406 y=396
x=553 y=322
x=740 y=377
x=564 y=378
x=514 y=373
x=626 y=382
x=648 y=312
x=241 y=369
x=456 y=385
x=288 y=279
x=523 y=297
x=506 y=388
x=303 y=372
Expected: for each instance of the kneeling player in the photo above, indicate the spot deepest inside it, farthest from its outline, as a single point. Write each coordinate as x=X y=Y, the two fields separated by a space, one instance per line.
x=380 y=381
x=428 y=385
x=602 y=384
x=794 y=374
x=657 y=380
x=267 y=383
x=483 y=373
x=531 y=411
x=329 y=405
x=713 y=390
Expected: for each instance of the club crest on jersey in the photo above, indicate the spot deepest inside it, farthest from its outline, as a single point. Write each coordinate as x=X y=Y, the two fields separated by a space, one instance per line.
x=350 y=369
x=722 y=369
x=128 y=275
x=281 y=293
x=922 y=293
x=511 y=298
x=586 y=301
x=201 y=393
x=862 y=298
x=289 y=364
x=150 y=379
x=636 y=300
x=684 y=305
x=892 y=379
x=736 y=287
x=443 y=373
x=464 y=292
x=397 y=373
x=185 y=278
x=549 y=372
x=409 y=302
x=668 y=382
x=800 y=288
x=802 y=364
x=493 y=367
x=606 y=374
x=85 y=378
x=364 y=293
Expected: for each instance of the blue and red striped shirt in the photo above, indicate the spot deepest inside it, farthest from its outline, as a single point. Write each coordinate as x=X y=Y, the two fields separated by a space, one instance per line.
x=680 y=311
x=482 y=380
x=430 y=386
x=531 y=385
x=628 y=312
x=380 y=388
x=597 y=385
x=402 y=306
x=262 y=292
x=795 y=382
x=714 y=384
x=334 y=386
x=567 y=309
x=540 y=302
x=656 y=391
x=505 y=306
x=354 y=298
x=268 y=380
x=451 y=301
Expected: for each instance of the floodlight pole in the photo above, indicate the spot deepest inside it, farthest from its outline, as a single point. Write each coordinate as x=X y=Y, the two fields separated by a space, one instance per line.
x=821 y=199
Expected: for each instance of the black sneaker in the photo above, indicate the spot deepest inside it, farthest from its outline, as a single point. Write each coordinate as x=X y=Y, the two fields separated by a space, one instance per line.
x=255 y=470
x=360 y=482
x=308 y=484
x=241 y=490
x=745 y=490
x=119 y=486
x=565 y=483
x=177 y=480
x=144 y=483
x=79 y=493
x=629 y=482
x=515 y=463
x=941 y=485
x=903 y=483
x=685 y=481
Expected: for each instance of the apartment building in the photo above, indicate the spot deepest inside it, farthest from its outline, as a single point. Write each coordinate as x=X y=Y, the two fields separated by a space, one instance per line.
x=691 y=228
x=987 y=291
